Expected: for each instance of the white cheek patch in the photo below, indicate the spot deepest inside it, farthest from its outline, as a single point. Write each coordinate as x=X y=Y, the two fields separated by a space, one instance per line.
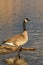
x=25 y=20
x=11 y=44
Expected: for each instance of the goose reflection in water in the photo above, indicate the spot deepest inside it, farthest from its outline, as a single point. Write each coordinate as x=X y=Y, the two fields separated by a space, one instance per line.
x=16 y=61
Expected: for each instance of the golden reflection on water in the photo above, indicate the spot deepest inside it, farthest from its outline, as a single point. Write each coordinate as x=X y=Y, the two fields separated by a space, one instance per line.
x=6 y=6
x=9 y=9
x=15 y=9
x=6 y=10
x=16 y=61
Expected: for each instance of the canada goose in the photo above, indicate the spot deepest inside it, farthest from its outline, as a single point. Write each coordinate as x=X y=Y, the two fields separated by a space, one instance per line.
x=19 y=39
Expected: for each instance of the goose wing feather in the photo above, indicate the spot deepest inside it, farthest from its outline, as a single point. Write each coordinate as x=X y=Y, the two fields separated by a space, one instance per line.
x=17 y=40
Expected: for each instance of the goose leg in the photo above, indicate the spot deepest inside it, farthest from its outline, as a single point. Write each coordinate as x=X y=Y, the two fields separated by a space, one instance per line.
x=20 y=49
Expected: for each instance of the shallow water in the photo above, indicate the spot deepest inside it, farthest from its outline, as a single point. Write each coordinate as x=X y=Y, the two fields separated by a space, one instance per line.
x=12 y=14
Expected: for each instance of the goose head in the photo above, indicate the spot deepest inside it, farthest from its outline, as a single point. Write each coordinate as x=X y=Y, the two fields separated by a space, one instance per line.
x=26 y=20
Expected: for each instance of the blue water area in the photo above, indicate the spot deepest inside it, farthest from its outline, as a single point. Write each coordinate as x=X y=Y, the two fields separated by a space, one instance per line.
x=35 y=31
x=12 y=14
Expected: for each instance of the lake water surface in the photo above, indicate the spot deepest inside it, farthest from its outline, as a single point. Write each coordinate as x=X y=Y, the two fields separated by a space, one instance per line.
x=12 y=13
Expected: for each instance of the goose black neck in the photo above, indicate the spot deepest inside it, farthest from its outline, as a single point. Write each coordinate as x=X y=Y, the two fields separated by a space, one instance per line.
x=24 y=27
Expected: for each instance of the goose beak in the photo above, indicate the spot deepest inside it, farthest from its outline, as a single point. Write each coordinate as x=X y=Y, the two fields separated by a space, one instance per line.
x=28 y=19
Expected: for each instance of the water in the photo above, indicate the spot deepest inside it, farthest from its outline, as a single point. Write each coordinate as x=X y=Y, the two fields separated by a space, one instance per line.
x=12 y=14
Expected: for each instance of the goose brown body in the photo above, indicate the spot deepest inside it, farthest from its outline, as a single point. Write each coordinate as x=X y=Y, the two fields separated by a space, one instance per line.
x=19 y=39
